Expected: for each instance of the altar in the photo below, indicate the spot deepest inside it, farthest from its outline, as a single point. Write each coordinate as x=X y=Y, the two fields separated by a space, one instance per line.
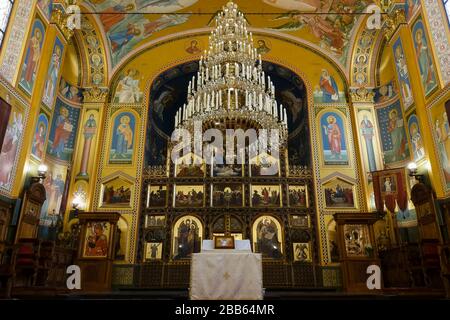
x=226 y=274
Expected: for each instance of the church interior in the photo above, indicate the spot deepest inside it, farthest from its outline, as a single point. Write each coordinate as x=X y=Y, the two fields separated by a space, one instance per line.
x=94 y=95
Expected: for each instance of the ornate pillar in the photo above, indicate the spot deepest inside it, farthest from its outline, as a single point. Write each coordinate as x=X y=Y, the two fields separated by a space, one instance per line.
x=399 y=37
x=87 y=150
x=367 y=136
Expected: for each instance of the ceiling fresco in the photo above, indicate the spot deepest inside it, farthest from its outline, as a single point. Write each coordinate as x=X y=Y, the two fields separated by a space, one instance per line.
x=128 y=24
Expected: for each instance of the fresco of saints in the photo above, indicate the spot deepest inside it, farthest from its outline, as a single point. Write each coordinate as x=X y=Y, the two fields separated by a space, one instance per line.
x=122 y=37
x=124 y=137
x=193 y=48
x=128 y=90
x=396 y=130
x=441 y=136
x=8 y=150
x=62 y=132
x=32 y=62
x=333 y=132
x=52 y=77
x=367 y=131
x=39 y=141
x=97 y=241
x=416 y=140
x=113 y=15
x=330 y=91
x=403 y=75
x=424 y=61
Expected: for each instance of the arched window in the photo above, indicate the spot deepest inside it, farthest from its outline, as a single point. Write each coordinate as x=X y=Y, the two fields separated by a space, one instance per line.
x=447 y=9
x=5 y=12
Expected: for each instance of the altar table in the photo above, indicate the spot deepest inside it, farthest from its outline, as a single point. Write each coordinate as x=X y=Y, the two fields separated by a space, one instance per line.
x=226 y=275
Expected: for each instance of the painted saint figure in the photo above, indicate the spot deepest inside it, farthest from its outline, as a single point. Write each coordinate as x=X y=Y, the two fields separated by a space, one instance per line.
x=416 y=140
x=268 y=243
x=333 y=132
x=52 y=77
x=8 y=150
x=32 y=62
x=367 y=131
x=62 y=132
x=90 y=127
x=403 y=75
x=396 y=130
x=97 y=242
x=128 y=90
x=124 y=137
x=424 y=61
x=39 y=141
x=330 y=91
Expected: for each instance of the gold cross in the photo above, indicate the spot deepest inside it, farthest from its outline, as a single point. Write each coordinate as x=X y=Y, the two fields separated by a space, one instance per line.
x=226 y=275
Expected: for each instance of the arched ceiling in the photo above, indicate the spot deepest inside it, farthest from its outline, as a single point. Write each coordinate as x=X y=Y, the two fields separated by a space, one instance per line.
x=127 y=25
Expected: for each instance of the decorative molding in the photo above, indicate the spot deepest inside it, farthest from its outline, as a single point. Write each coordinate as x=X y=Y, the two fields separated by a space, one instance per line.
x=392 y=23
x=439 y=33
x=95 y=95
x=362 y=95
x=16 y=39
x=59 y=19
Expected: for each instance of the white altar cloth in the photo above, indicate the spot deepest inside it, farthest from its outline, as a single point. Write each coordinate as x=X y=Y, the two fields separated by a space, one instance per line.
x=229 y=275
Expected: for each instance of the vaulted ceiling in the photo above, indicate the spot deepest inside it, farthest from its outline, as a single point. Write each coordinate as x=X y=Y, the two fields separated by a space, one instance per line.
x=328 y=25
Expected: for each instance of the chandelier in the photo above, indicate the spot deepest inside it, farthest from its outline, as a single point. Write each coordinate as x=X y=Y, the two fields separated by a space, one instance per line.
x=231 y=88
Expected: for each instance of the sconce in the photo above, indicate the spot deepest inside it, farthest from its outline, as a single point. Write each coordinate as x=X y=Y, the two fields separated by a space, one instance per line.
x=412 y=167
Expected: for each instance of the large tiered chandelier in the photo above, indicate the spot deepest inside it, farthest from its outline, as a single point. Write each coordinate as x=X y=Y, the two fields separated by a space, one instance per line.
x=231 y=88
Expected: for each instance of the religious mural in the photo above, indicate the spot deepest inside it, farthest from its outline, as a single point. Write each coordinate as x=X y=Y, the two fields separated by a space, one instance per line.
x=46 y=6
x=411 y=7
x=415 y=137
x=187 y=236
x=327 y=91
x=332 y=32
x=367 y=133
x=117 y=193
x=339 y=194
x=298 y=196
x=189 y=196
x=393 y=133
x=157 y=196
x=193 y=47
x=299 y=221
x=96 y=239
x=89 y=132
x=427 y=68
x=227 y=195
x=127 y=90
x=61 y=141
x=385 y=92
x=122 y=140
x=9 y=147
x=265 y=195
x=302 y=252
x=333 y=139
x=54 y=184
x=267 y=237
x=70 y=92
x=40 y=136
x=32 y=57
x=51 y=84
x=126 y=23
x=441 y=134
x=153 y=251
x=157 y=220
x=402 y=74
